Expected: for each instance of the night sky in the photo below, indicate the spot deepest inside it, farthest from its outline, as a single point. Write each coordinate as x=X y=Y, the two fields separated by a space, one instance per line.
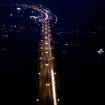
x=80 y=70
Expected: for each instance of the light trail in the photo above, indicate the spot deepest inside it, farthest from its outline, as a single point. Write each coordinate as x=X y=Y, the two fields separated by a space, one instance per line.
x=53 y=87
x=46 y=11
x=56 y=19
x=46 y=18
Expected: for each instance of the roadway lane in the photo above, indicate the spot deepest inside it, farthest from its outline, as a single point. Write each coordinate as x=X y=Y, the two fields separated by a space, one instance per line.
x=47 y=89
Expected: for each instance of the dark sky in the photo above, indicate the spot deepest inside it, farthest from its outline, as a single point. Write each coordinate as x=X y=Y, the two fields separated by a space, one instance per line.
x=72 y=11
x=79 y=12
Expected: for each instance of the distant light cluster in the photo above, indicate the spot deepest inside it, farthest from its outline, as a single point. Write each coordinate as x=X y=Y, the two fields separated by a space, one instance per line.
x=100 y=51
x=18 y=8
x=44 y=13
x=6 y=31
x=3 y=51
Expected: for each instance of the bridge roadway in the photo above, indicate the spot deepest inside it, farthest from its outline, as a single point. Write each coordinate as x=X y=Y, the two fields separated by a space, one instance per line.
x=47 y=90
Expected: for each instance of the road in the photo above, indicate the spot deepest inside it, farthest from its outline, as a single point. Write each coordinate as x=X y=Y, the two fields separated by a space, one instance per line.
x=47 y=85
x=47 y=79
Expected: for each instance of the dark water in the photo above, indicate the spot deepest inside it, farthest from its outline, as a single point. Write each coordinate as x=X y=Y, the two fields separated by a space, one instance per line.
x=79 y=71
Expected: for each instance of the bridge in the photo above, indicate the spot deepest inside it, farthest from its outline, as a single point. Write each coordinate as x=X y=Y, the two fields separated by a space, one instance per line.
x=47 y=86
